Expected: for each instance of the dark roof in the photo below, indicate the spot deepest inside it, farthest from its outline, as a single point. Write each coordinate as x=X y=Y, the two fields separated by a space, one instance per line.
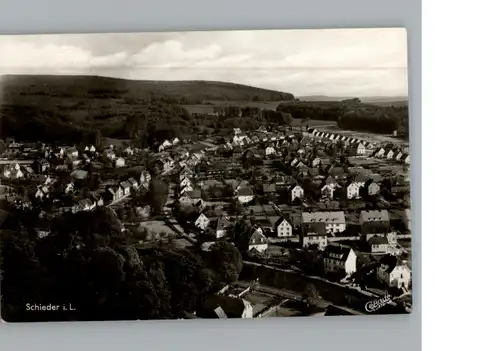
x=269 y=188
x=194 y=194
x=378 y=240
x=339 y=253
x=245 y=192
x=315 y=228
x=391 y=261
x=257 y=238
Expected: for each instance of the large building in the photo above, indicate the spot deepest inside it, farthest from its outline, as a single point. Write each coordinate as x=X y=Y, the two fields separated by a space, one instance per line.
x=334 y=220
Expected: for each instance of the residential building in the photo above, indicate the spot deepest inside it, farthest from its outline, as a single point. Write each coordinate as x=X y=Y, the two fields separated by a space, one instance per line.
x=120 y=162
x=185 y=182
x=394 y=272
x=314 y=234
x=190 y=197
x=258 y=241
x=296 y=192
x=373 y=188
x=283 y=227
x=339 y=258
x=270 y=151
x=125 y=186
x=133 y=183
x=202 y=222
x=378 y=244
x=223 y=224
x=374 y=221
x=334 y=220
x=269 y=188
x=145 y=178
x=129 y=151
x=245 y=195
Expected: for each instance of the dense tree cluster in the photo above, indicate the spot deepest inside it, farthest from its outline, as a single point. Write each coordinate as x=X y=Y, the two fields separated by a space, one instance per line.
x=88 y=261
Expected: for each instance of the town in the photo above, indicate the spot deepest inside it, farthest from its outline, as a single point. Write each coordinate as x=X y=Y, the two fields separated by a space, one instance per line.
x=321 y=218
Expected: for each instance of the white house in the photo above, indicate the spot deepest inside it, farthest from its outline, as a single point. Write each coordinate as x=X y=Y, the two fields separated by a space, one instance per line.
x=283 y=228
x=297 y=192
x=394 y=272
x=202 y=222
x=245 y=195
x=175 y=141
x=222 y=225
x=379 y=245
x=390 y=154
x=145 y=178
x=257 y=241
x=398 y=156
x=129 y=151
x=125 y=186
x=339 y=258
x=120 y=162
x=406 y=159
x=185 y=182
x=270 y=151
x=188 y=187
x=334 y=220
x=110 y=154
x=69 y=188
x=316 y=161
x=380 y=153
x=165 y=145
x=314 y=233
x=373 y=188
x=353 y=190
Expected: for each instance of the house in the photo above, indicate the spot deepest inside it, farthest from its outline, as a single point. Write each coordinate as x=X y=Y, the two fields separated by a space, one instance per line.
x=406 y=159
x=223 y=224
x=110 y=154
x=296 y=192
x=316 y=162
x=374 y=221
x=407 y=219
x=394 y=272
x=389 y=154
x=222 y=306
x=270 y=151
x=120 y=162
x=190 y=197
x=283 y=227
x=339 y=258
x=356 y=149
x=202 y=222
x=125 y=186
x=257 y=241
x=13 y=172
x=269 y=188
x=175 y=141
x=145 y=178
x=114 y=195
x=185 y=182
x=379 y=152
x=378 y=244
x=72 y=152
x=165 y=145
x=83 y=205
x=185 y=188
x=398 y=156
x=334 y=220
x=355 y=185
x=373 y=188
x=314 y=233
x=69 y=188
x=245 y=195
x=129 y=151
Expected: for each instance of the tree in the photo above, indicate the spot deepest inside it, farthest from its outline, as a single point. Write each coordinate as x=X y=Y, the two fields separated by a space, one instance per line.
x=157 y=195
x=310 y=295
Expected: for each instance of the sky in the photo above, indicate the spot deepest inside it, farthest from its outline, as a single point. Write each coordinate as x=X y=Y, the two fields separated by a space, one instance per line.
x=331 y=62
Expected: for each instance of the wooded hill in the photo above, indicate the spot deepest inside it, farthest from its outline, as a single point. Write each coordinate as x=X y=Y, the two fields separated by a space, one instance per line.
x=46 y=108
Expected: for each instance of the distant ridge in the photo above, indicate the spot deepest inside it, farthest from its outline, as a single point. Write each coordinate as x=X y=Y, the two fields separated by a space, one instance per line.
x=82 y=85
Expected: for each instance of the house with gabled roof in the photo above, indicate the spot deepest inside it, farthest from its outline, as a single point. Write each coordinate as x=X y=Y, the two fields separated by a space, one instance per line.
x=190 y=197
x=202 y=222
x=125 y=186
x=223 y=224
x=296 y=192
x=283 y=227
x=339 y=258
x=314 y=233
x=334 y=220
x=394 y=272
x=378 y=244
x=258 y=241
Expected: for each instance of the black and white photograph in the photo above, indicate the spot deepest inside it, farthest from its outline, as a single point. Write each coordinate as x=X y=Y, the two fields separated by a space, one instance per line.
x=205 y=175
